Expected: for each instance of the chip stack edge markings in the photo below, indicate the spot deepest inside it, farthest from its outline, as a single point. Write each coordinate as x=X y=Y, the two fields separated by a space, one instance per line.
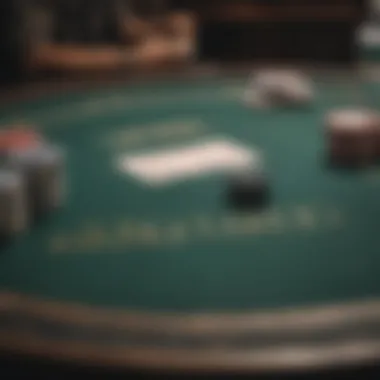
x=44 y=171
x=14 y=218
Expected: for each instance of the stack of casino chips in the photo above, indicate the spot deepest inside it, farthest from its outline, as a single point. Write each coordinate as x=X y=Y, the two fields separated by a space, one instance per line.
x=353 y=136
x=13 y=208
x=31 y=175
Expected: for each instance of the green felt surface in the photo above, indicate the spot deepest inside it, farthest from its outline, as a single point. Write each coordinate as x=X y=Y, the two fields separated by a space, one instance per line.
x=118 y=243
x=370 y=54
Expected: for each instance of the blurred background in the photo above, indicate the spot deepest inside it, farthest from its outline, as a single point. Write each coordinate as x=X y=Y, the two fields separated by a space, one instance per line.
x=41 y=37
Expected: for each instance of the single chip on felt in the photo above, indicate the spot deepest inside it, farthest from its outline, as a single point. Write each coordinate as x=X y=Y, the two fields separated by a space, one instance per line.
x=248 y=189
x=351 y=136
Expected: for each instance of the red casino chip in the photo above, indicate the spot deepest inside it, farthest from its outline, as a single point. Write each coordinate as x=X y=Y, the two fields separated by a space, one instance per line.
x=17 y=139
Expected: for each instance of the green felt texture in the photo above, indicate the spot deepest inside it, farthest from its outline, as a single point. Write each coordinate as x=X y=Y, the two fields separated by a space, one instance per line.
x=118 y=243
x=370 y=54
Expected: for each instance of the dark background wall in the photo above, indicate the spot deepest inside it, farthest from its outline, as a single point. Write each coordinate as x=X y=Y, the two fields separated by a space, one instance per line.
x=303 y=30
x=260 y=30
x=9 y=44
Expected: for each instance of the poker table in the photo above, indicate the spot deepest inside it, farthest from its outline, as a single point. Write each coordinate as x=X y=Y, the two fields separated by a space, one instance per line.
x=168 y=276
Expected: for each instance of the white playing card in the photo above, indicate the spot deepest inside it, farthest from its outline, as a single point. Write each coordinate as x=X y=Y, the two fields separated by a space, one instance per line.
x=171 y=165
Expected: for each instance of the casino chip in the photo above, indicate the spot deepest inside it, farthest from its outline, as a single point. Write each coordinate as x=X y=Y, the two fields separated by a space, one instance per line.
x=278 y=88
x=43 y=169
x=13 y=216
x=353 y=136
x=18 y=139
x=248 y=187
x=352 y=119
x=248 y=190
x=31 y=178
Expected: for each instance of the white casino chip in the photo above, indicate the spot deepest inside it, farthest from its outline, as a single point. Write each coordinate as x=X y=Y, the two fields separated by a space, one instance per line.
x=351 y=119
x=270 y=86
x=254 y=98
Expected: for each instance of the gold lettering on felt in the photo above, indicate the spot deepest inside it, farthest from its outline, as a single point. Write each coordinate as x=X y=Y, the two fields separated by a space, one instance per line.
x=175 y=129
x=133 y=136
x=128 y=137
x=305 y=217
x=232 y=225
x=164 y=130
x=93 y=236
x=176 y=232
x=61 y=243
x=274 y=221
x=253 y=224
x=126 y=232
x=189 y=128
x=149 y=233
x=205 y=226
